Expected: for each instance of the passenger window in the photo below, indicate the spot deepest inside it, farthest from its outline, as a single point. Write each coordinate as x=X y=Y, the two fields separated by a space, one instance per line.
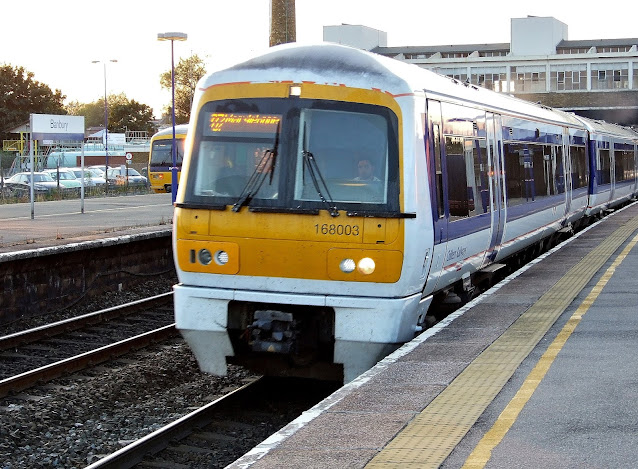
x=625 y=165
x=457 y=189
x=467 y=176
x=558 y=169
x=604 y=167
x=579 y=167
x=533 y=171
x=481 y=185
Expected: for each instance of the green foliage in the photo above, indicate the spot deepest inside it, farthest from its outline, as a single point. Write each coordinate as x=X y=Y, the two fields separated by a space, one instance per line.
x=21 y=95
x=123 y=114
x=6 y=158
x=131 y=115
x=93 y=112
x=187 y=74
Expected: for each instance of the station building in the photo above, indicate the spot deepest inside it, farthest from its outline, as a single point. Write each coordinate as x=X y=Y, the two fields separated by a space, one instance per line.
x=593 y=78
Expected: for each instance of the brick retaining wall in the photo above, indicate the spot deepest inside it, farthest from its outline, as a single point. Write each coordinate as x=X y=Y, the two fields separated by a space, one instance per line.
x=44 y=280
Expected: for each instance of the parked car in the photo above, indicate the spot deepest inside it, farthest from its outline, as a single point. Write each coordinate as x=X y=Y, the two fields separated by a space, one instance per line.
x=100 y=168
x=65 y=177
x=19 y=183
x=123 y=175
x=92 y=176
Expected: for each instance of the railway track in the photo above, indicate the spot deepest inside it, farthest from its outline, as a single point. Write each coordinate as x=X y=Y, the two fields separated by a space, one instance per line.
x=218 y=433
x=221 y=431
x=38 y=355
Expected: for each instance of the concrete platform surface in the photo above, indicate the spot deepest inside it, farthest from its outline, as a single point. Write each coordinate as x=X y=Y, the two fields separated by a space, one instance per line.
x=541 y=371
x=58 y=222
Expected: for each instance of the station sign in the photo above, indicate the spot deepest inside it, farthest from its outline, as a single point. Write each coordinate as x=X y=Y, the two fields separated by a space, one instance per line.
x=57 y=127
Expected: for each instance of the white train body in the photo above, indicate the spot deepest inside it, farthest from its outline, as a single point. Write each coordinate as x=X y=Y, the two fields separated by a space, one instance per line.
x=306 y=259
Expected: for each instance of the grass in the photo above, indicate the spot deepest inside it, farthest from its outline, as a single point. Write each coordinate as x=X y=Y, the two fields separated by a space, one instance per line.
x=66 y=195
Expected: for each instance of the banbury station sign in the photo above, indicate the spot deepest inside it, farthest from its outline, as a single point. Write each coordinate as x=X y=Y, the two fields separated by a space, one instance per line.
x=57 y=127
x=50 y=128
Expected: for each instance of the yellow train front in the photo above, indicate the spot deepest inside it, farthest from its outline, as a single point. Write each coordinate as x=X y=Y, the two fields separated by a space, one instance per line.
x=290 y=221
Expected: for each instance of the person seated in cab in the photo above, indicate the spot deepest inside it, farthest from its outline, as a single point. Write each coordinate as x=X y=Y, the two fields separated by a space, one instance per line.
x=365 y=167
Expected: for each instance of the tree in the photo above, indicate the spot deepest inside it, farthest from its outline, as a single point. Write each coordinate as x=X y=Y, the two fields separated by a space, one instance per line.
x=93 y=112
x=187 y=74
x=21 y=95
x=123 y=114
x=131 y=115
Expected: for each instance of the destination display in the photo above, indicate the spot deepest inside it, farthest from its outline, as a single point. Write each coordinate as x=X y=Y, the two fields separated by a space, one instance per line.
x=236 y=124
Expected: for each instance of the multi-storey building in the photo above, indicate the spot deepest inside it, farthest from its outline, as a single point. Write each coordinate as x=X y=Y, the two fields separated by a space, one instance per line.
x=594 y=78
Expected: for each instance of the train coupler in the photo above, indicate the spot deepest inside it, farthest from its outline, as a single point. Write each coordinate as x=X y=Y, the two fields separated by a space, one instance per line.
x=272 y=331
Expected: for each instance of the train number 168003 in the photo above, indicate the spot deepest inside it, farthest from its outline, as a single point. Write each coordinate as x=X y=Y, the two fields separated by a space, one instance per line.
x=338 y=230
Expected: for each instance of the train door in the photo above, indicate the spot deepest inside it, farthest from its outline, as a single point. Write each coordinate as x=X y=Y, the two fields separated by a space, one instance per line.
x=497 y=182
x=438 y=187
x=612 y=169
x=567 y=169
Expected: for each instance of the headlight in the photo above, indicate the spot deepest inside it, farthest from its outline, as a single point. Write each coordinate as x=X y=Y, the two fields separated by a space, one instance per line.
x=204 y=256
x=347 y=266
x=366 y=266
x=221 y=257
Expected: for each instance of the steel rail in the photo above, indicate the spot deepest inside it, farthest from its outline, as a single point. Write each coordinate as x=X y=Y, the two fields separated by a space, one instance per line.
x=79 y=362
x=67 y=325
x=160 y=439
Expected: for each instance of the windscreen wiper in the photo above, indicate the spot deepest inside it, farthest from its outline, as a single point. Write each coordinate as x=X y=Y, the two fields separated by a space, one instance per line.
x=313 y=169
x=267 y=166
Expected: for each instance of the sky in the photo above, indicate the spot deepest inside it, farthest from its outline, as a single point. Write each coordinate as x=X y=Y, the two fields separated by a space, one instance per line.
x=58 y=40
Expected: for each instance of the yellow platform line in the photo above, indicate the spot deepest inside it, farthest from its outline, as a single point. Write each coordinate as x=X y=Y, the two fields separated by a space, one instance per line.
x=483 y=451
x=432 y=435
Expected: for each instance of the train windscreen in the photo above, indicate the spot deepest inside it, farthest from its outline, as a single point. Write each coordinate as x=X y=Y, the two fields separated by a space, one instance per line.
x=295 y=153
x=162 y=152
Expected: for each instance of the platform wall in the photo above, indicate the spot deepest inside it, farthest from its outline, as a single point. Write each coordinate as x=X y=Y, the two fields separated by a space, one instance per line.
x=45 y=280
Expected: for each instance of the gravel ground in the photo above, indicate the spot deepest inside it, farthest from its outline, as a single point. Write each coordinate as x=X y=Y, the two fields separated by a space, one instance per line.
x=72 y=422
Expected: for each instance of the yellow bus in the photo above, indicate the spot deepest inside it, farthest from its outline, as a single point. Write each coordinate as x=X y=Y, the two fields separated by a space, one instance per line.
x=160 y=159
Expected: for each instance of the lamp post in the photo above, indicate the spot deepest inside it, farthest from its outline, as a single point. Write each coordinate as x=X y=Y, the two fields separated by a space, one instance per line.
x=173 y=37
x=106 y=132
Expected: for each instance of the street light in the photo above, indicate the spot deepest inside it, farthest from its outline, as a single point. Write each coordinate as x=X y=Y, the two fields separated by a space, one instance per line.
x=106 y=123
x=173 y=37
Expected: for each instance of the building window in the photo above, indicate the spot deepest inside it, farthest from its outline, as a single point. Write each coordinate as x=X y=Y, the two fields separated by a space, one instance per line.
x=568 y=77
x=417 y=56
x=498 y=53
x=613 y=49
x=576 y=78
x=578 y=50
x=454 y=55
x=458 y=73
x=611 y=76
x=528 y=79
x=492 y=78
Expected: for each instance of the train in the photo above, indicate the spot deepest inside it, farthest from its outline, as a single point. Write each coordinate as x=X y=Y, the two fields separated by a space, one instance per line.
x=160 y=158
x=332 y=200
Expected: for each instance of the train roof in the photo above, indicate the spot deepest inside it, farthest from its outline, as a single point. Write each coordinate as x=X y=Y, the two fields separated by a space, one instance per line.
x=336 y=64
x=179 y=129
x=602 y=127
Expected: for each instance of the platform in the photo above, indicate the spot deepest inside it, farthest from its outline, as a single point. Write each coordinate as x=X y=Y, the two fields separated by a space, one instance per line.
x=541 y=371
x=62 y=221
